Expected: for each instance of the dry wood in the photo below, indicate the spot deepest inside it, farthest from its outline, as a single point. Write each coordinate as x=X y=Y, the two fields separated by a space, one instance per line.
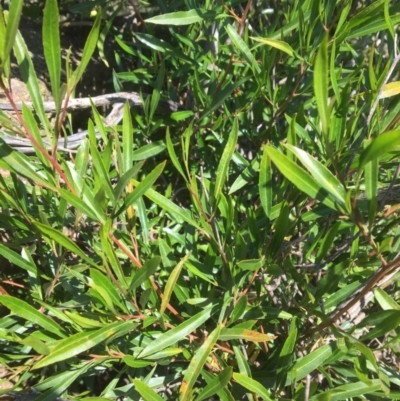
x=72 y=142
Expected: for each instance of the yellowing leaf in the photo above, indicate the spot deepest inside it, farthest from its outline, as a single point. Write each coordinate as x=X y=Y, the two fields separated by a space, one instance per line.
x=244 y=334
x=278 y=44
x=390 y=89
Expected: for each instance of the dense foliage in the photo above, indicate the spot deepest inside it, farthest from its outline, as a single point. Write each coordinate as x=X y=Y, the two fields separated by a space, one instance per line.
x=244 y=246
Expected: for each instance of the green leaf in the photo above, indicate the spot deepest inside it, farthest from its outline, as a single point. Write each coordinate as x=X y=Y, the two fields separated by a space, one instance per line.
x=147 y=393
x=277 y=44
x=162 y=46
x=286 y=354
x=141 y=188
x=147 y=151
x=385 y=143
x=105 y=283
x=17 y=260
x=388 y=21
x=241 y=45
x=13 y=19
x=88 y=50
x=51 y=47
x=22 y=165
x=63 y=240
x=169 y=206
x=125 y=179
x=250 y=264
x=29 y=313
x=252 y=385
x=81 y=342
x=215 y=385
x=223 y=166
x=321 y=84
x=197 y=362
x=172 y=155
x=281 y=229
x=143 y=274
x=223 y=393
x=310 y=362
x=81 y=204
x=57 y=384
x=98 y=163
x=385 y=301
x=265 y=183
x=347 y=391
x=172 y=279
x=29 y=76
x=222 y=95
x=183 y=17
x=136 y=363
x=238 y=310
x=299 y=177
x=246 y=176
x=181 y=115
x=127 y=139
x=176 y=334
x=321 y=174
x=390 y=321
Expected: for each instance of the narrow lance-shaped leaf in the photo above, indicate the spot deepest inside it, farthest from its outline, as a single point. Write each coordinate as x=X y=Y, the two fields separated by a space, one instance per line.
x=265 y=183
x=149 y=150
x=385 y=143
x=81 y=342
x=51 y=47
x=176 y=334
x=147 y=393
x=123 y=182
x=170 y=206
x=277 y=44
x=57 y=384
x=172 y=279
x=127 y=139
x=196 y=364
x=348 y=391
x=63 y=240
x=29 y=76
x=321 y=83
x=82 y=206
x=141 y=188
x=216 y=384
x=390 y=89
x=98 y=164
x=312 y=361
x=13 y=18
x=222 y=171
x=13 y=257
x=173 y=156
x=29 y=313
x=244 y=334
x=320 y=173
x=388 y=21
x=21 y=164
x=89 y=48
x=182 y=17
x=299 y=177
x=252 y=385
x=241 y=45
x=286 y=354
x=145 y=272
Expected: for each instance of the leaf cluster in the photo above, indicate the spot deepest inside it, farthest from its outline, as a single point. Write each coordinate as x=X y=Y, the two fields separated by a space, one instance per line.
x=222 y=251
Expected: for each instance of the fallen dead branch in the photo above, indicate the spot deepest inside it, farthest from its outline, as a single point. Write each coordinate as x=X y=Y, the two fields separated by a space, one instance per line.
x=72 y=142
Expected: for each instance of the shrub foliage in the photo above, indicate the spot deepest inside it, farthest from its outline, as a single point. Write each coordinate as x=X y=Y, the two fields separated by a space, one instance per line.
x=244 y=246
